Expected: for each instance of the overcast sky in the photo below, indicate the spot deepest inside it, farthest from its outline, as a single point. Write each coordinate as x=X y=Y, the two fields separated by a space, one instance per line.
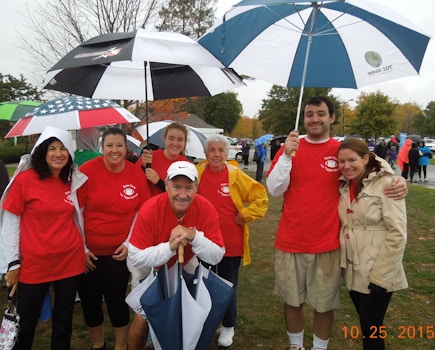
x=419 y=89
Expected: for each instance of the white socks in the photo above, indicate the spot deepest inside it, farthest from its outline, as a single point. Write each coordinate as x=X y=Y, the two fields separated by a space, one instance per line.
x=320 y=343
x=298 y=339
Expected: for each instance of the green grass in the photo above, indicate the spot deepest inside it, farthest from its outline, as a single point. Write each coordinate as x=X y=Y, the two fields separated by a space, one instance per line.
x=260 y=320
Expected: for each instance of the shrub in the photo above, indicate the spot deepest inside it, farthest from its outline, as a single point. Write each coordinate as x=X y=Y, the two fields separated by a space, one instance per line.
x=12 y=154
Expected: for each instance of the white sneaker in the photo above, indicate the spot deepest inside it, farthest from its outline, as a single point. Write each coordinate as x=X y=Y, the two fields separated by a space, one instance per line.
x=226 y=336
x=296 y=347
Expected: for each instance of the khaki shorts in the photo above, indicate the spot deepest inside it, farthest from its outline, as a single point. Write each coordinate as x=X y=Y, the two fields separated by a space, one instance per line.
x=312 y=279
x=137 y=274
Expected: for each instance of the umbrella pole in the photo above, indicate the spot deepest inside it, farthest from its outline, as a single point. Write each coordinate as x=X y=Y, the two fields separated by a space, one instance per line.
x=304 y=73
x=148 y=165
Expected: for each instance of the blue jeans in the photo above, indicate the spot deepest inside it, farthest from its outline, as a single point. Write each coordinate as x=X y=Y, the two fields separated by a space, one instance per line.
x=259 y=173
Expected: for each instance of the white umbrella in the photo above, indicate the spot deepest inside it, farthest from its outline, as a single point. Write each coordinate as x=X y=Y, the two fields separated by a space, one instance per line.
x=195 y=139
x=321 y=43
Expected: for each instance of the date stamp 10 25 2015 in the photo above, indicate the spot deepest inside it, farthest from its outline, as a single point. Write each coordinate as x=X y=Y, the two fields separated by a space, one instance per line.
x=382 y=332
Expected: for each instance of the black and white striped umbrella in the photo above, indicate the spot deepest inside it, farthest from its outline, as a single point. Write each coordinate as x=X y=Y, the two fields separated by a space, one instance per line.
x=141 y=65
x=116 y=66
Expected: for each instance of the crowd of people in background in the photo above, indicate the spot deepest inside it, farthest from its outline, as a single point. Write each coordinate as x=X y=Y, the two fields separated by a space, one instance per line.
x=122 y=218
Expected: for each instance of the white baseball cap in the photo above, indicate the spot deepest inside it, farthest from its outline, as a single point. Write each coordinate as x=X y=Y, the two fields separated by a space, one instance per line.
x=182 y=168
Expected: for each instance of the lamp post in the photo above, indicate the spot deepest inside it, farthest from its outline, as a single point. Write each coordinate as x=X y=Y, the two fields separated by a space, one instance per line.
x=344 y=107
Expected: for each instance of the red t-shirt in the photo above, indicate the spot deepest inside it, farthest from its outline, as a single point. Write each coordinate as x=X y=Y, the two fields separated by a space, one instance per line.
x=156 y=220
x=51 y=246
x=214 y=186
x=309 y=222
x=111 y=201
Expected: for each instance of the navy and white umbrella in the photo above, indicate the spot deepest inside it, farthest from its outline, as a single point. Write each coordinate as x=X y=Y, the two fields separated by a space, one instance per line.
x=330 y=43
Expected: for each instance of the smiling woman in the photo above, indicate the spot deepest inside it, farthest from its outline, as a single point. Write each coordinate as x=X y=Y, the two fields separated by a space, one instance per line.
x=40 y=252
x=114 y=192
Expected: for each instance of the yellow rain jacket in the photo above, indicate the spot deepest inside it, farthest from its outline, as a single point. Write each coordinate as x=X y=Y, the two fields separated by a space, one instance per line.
x=249 y=197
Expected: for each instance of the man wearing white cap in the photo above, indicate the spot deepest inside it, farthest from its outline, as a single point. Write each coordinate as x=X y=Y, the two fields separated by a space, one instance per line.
x=177 y=216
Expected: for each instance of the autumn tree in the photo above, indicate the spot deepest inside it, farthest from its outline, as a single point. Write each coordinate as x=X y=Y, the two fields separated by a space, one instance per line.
x=374 y=116
x=248 y=127
x=278 y=111
x=223 y=111
x=406 y=114
x=424 y=123
x=188 y=17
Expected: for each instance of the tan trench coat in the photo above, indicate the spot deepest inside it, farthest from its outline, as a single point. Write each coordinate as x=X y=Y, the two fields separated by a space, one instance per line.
x=373 y=235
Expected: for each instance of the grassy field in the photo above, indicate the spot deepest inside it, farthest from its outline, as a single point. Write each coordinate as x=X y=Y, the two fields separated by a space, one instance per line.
x=410 y=319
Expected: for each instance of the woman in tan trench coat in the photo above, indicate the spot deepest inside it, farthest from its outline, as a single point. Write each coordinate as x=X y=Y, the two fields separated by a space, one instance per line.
x=372 y=237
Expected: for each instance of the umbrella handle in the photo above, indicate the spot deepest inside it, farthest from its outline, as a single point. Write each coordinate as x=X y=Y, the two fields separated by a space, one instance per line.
x=181 y=253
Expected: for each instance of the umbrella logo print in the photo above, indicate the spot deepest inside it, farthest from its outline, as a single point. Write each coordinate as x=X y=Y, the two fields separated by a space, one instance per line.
x=373 y=58
x=100 y=54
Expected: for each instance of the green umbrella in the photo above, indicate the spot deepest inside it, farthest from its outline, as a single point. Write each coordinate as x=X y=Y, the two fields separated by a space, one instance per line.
x=15 y=110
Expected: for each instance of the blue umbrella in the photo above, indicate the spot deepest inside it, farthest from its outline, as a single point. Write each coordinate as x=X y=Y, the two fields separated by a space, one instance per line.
x=221 y=293
x=163 y=312
x=195 y=304
x=262 y=139
x=329 y=43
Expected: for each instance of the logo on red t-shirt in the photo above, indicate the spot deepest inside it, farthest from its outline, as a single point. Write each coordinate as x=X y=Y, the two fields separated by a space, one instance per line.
x=67 y=198
x=224 y=191
x=330 y=164
x=129 y=191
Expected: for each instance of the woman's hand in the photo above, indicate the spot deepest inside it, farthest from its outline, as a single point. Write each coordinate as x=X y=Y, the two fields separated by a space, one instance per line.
x=152 y=175
x=120 y=253
x=90 y=258
x=239 y=219
x=146 y=157
x=11 y=279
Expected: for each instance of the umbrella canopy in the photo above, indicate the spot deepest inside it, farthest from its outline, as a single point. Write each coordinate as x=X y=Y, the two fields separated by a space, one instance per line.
x=183 y=310
x=72 y=113
x=262 y=139
x=331 y=43
x=195 y=139
x=14 y=110
x=117 y=65
x=141 y=65
x=280 y=138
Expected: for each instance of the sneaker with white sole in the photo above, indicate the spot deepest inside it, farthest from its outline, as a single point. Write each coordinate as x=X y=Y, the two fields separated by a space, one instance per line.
x=226 y=336
x=296 y=347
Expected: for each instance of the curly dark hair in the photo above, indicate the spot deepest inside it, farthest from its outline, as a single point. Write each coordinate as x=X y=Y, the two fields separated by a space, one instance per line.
x=40 y=164
x=317 y=101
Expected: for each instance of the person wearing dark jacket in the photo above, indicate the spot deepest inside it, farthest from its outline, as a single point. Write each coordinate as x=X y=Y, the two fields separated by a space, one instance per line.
x=382 y=149
x=4 y=177
x=413 y=157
